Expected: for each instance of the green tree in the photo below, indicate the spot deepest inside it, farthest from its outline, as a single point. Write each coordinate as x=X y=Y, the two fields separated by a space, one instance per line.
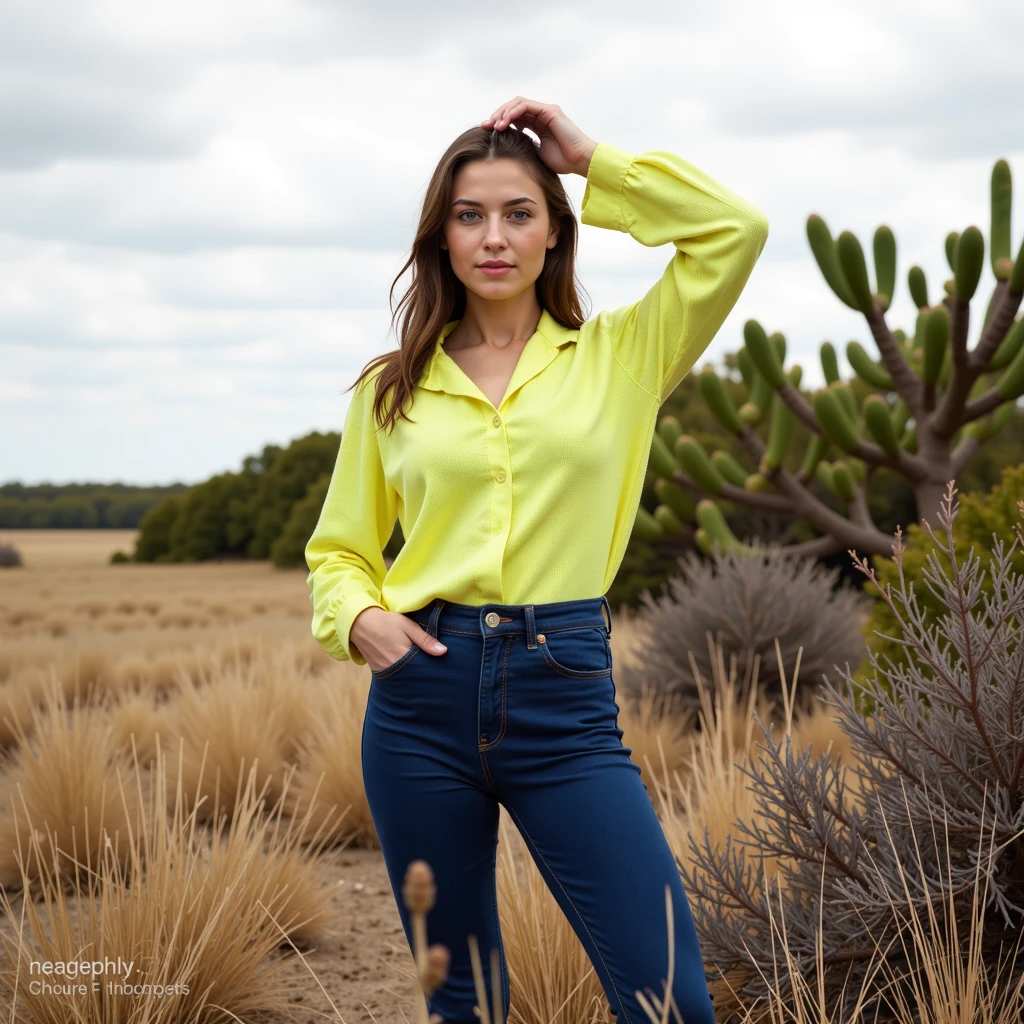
x=153 y=543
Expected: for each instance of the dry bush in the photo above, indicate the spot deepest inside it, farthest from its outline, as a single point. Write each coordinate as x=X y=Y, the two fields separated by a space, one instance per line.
x=210 y=920
x=745 y=602
x=938 y=764
x=250 y=714
x=63 y=780
x=329 y=790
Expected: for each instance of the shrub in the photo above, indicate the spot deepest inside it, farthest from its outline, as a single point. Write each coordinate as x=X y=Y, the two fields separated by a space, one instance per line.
x=745 y=601
x=289 y=548
x=936 y=781
x=981 y=516
x=10 y=557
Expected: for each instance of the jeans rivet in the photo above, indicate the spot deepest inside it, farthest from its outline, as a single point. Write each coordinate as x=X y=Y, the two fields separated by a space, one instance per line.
x=540 y=638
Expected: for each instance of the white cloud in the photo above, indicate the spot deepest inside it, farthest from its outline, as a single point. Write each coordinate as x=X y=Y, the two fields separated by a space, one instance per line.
x=205 y=203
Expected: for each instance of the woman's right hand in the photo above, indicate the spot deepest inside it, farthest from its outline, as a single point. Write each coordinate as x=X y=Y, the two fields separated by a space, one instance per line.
x=383 y=637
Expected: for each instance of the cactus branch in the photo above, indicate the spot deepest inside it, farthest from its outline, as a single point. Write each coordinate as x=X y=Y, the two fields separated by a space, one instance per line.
x=1004 y=309
x=947 y=417
x=817 y=548
x=963 y=453
x=908 y=384
x=903 y=461
x=863 y=537
x=955 y=410
x=981 y=405
x=1005 y=306
x=730 y=492
x=800 y=407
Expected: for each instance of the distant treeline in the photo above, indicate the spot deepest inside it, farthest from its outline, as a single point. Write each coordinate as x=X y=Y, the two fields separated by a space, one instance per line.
x=267 y=510
x=79 y=506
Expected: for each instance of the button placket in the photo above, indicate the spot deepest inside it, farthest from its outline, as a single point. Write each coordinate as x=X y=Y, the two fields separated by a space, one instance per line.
x=499 y=511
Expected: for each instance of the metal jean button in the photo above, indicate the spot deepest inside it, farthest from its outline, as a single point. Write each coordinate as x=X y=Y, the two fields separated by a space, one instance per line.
x=492 y=618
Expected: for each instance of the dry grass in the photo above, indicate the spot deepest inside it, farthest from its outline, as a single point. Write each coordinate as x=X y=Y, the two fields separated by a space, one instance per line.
x=108 y=674
x=200 y=921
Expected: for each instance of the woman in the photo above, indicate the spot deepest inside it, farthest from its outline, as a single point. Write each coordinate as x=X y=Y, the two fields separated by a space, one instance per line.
x=516 y=484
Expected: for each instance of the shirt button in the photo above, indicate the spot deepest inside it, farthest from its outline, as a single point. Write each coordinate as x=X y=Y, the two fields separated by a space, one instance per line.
x=501 y=476
x=497 y=421
x=491 y=618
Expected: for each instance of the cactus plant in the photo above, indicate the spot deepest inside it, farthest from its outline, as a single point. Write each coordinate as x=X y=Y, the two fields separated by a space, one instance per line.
x=933 y=404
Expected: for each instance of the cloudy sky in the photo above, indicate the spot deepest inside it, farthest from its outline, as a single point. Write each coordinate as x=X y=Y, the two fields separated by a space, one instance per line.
x=203 y=204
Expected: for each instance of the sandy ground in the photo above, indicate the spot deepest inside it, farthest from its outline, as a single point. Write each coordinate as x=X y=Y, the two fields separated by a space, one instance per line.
x=366 y=967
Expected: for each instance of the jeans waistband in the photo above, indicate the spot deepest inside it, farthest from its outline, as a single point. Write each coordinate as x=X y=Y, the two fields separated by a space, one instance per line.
x=531 y=619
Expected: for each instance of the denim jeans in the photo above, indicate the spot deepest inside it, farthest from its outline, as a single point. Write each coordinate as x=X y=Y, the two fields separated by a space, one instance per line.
x=520 y=710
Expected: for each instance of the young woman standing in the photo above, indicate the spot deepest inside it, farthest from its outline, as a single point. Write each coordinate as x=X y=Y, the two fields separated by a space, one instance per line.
x=516 y=480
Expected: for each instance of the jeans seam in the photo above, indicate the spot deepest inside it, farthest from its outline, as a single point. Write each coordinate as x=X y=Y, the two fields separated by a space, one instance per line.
x=573 y=673
x=611 y=978
x=487 y=773
x=504 y=694
x=497 y=925
x=389 y=670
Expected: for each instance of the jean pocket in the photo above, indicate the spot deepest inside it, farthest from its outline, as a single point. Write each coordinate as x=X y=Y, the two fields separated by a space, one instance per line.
x=395 y=666
x=580 y=653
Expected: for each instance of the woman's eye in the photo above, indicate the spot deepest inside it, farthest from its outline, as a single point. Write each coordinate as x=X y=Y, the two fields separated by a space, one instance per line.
x=525 y=212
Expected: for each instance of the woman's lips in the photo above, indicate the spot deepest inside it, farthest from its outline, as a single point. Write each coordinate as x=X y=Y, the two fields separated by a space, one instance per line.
x=495 y=271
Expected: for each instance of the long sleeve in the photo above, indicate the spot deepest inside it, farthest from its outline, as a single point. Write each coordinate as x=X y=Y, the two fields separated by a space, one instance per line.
x=659 y=197
x=345 y=553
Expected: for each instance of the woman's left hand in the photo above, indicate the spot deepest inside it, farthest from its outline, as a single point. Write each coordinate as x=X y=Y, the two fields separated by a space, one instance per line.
x=563 y=147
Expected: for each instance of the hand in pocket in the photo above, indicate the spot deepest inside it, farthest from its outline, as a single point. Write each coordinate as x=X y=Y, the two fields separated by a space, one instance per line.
x=384 y=638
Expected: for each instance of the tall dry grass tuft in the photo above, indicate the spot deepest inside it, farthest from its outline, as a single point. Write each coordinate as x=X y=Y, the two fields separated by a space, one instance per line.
x=949 y=980
x=16 y=704
x=90 y=676
x=249 y=714
x=712 y=792
x=208 y=921
x=329 y=790
x=62 y=779
x=136 y=719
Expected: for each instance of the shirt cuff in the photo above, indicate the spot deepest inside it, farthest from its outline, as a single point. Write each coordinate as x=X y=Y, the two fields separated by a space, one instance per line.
x=344 y=618
x=602 y=197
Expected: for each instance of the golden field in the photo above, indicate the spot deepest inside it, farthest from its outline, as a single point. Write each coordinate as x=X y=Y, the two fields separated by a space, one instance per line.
x=146 y=709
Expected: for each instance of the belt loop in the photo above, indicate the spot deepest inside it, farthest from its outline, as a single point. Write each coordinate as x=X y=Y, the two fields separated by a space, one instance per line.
x=531 y=628
x=434 y=615
x=605 y=604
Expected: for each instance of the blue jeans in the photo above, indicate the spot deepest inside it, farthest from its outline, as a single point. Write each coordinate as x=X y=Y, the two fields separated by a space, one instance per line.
x=520 y=710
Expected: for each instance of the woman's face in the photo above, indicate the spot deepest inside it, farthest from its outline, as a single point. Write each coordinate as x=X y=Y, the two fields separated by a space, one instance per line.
x=498 y=212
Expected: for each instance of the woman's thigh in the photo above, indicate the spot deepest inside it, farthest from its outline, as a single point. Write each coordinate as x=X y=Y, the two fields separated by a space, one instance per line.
x=429 y=801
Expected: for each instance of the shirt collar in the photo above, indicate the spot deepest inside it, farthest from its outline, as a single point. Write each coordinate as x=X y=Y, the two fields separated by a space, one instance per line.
x=444 y=374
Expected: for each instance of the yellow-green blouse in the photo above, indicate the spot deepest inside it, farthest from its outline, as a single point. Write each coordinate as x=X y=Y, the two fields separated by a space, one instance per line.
x=534 y=501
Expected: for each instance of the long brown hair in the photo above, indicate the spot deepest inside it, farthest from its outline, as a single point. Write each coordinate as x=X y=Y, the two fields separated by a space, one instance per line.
x=437 y=296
